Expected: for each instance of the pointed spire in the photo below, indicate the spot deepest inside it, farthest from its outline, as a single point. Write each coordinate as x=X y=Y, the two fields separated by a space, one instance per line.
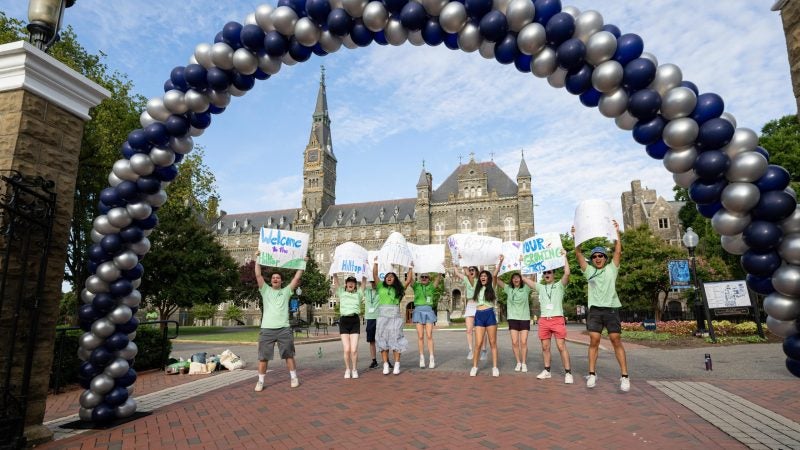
x=423 y=178
x=321 y=123
x=322 y=98
x=523 y=167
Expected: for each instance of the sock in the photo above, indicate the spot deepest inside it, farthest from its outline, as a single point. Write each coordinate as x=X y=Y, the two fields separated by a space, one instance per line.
x=261 y=377
x=547 y=369
x=567 y=370
x=293 y=374
x=624 y=375
x=592 y=373
x=397 y=364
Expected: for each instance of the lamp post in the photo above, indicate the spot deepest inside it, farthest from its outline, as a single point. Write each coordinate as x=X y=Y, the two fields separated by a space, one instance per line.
x=44 y=21
x=690 y=240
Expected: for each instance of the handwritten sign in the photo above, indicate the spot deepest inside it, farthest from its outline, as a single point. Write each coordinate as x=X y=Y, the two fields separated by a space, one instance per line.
x=282 y=248
x=512 y=256
x=542 y=252
x=383 y=267
x=395 y=250
x=427 y=258
x=452 y=245
x=593 y=219
x=474 y=249
x=350 y=258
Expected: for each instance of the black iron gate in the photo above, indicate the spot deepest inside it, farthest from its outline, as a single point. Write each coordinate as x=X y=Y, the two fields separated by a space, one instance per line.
x=27 y=209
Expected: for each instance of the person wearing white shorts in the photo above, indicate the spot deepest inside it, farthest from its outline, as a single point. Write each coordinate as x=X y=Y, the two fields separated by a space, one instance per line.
x=470 y=279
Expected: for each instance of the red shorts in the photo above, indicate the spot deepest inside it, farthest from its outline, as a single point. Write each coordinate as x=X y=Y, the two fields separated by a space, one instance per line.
x=549 y=326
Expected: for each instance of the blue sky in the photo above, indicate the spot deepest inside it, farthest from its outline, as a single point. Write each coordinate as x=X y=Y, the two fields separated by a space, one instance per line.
x=392 y=107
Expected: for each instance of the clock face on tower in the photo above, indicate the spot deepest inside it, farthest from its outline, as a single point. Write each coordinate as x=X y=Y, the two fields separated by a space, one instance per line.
x=313 y=155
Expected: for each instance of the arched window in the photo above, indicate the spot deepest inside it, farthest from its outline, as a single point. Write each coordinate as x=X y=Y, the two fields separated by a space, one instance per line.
x=481 y=226
x=378 y=233
x=479 y=192
x=509 y=232
x=466 y=226
x=466 y=192
x=363 y=234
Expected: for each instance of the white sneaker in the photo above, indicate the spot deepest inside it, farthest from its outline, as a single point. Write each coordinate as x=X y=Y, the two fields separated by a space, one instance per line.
x=347 y=374
x=483 y=355
x=473 y=371
x=469 y=355
x=396 y=368
x=355 y=373
x=568 y=378
x=259 y=386
x=295 y=382
x=544 y=374
x=421 y=361
x=495 y=372
x=386 y=368
x=431 y=363
x=524 y=368
x=591 y=380
x=518 y=367
x=624 y=384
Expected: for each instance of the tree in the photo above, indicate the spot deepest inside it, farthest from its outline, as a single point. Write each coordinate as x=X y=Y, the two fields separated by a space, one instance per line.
x=246 y=290
x=234 y=313
x=203 y=311
x=67 y=308
x=781 y=138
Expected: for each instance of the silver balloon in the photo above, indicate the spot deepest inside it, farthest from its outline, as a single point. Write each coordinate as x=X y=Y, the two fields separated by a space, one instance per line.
x=740 y=197
x=544 y=63
x=415 y=38
x=103 y=328
x=192 y=60
x=126 y=409
x=614 y=103
x=786 y=280
x=145 y=119
x=729 y=223
x=286 y=59
x=245 y=62
x=87 y=296
x=685 y=179
x=453 y=18
x=587 y=24
x=155 y=107
x=600 y=47
x=107 y=272
x=129 y=352
x=182 y=145
x=220 y=99
x=469 y=38
x=222 y=55
x=434 y=7
x=141 y=247
x=139 y=210
x=119 y=315
x=354 y=7
x=132 y=300
x=202 y=53
x=375 y=16
x=90 y=399
x=790 y=248
x=680 y=133
x=791 y=192
x=306 y=32
x=131 y=336
x=126 y=260
x=122 y=169
x=782 y=328
x=269 y=64
x=531 y=38
x=500 y=5
x=651 y=57
x=396 y=33
x=607 y=76
x=158 y=199
x=195 y=101
x=680 y=160
x=95 y=285
x=141 y=164
x=113 y=180
x=284 y=19
x=626 y=121
x=85 y=414
x=117 y=368
x=119 y=217
x=250 y=19
x=96 y=236
x=747 y=167
x=264 y=17
x=743 y=140
x=101 y=384
x=136 y=283
x=572 y=11
x=678 y=102
x=729 y=117
x=487 y=49
x=336 y=4
x=347 y=41
x=148 y=232
x=234 y=91
x=90 y=341
x=668 y=76
x=131 y=389
x=558 y=79
x=734 y=245
x=791 y=224
x=329 y=42
x=519 y=14
x=103 y=226
x=174 y=101
x=84 y=354
x=162 y=156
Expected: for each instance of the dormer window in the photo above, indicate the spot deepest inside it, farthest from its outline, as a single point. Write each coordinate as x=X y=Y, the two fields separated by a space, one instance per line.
x=269 y=221
x=234 y=224
x=381 y=213
x=246 y=223
x=353 y=215
x=283 y=220
x=219 y=225
x=396 y=211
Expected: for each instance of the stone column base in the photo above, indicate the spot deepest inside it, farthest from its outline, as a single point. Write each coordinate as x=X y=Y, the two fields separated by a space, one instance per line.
x=443 y=318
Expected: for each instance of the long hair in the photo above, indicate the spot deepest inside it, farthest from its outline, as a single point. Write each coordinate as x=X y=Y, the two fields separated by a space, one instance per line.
x=397 y=285
x=511 y=281
x=488 y=292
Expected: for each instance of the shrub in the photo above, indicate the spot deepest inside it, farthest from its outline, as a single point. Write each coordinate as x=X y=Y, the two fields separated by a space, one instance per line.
x=458 y=320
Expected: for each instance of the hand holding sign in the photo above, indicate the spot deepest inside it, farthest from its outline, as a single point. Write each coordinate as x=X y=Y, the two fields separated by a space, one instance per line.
x=350 y=258
x=282 y=248
x=395 y=251
x=512 y=256
x=593 y=218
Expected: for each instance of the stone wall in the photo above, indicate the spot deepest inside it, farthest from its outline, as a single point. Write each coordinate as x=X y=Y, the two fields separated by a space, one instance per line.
x=790 y=14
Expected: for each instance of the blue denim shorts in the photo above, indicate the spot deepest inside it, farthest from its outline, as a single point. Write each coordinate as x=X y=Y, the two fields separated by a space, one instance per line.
x=485 y=318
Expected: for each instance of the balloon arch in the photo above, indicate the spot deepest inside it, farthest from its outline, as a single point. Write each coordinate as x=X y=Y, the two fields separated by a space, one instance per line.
x=728 y=176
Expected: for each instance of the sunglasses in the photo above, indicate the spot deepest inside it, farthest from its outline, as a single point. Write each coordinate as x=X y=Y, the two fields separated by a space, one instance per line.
x=424 y=277
x=549 y=272
x=598 y=256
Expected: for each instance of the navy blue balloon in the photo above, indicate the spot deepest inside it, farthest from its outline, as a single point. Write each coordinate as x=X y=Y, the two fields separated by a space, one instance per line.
x=103 y=303
x=638 y=74
x=103 y=413
x=177 y=125
x=774 y=206
x=361 y=35
x=644 y=104
x=167 y=173
x=213 y=110
x=395 y=6
x=298 y=51
x=86 y=325
x=762 y=285
x=129 y=326
x=318 y=10
x=149 y=184
x=299 y=6
x=218 y=79
x=135 y=309
x=87 y=312
x=711 y=165
x=177 y=78
x=244 y=82
x=111 y=243
x=84 y=382
x=793 y=366
x=131 y=233
x=157 y=134
x=649 y=132
x=133 y=274
x=116 y=397
x=451 y=41
x=761 y=235
x=432 y=33
x=413 y=16
x=195 y=75
x=791 y=347
x=100 y=357
x=708 y=210
x=570 y=54
x=92 y=266
x=613 y=29
x=147 y=224
x=218 y=38
x=591 y=98
x=339 y=22
x=138 y=140
x=317 y=50
x=763 y=152
x=476 y=9
x=692 y=86
x=380 y=38
x=128 y=190
x=97 y=254
x=545 y=9
x=117 y=341
x=657 y=150
x=760 y=263
x=775 y=179
x=703 y=192
x=102 y=208
x=709 y=106
x=88 y=370
x=523 y=62
x=252 y=37
x=714 y=134
x=580 y=80
x=232 y=34
x=127 y=379
x=559 y=28
x=126 y=150
x=120 y=288
x=168 y=86
x=506 y=51
x=260 y=75
x=276 y=44
x=200 y=120
x=110 y=197
x=493 y=26
x=629 y=47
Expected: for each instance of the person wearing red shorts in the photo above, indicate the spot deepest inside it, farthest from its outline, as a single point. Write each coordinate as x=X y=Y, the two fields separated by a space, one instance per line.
x=552 y=323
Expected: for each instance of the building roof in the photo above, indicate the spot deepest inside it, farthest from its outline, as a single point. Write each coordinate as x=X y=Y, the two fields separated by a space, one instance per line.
x=496 y=180
x=523 y=169
x=251 y=222
x=368 y=213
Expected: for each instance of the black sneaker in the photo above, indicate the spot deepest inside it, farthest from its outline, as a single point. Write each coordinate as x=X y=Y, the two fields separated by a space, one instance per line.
x=374 y=364
x=391 y=366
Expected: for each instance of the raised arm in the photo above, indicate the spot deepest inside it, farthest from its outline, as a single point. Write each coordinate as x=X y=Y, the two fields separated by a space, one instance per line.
x=375 y=278
x=459 y=273
x=497 y=281
x=529 y=281
x=409 y=276
x=296 y=280
x=439 y=278
x=578 y=252
x=617 y=245
x=363 y=284
x=565 y=278
x=335 y=282
x=257 y=266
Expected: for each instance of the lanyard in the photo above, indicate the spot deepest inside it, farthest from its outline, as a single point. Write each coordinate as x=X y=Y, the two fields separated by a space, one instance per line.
x=597 y=273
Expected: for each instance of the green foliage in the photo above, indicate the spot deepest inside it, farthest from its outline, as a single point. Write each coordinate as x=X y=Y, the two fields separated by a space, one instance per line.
x=315 y=285
x=203 y=311
x=68 y=309
x=11 y=30
x=245 y=291
x=646 y=336
x=781 y=138
x=234 y=313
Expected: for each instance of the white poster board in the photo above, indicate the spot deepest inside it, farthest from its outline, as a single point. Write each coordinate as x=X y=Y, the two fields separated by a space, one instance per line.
x=593 y=219
x=383 y=268
x=512 y=256
x=475 y=250
x=727 y=294
x=395 y=251
x=350 y=258
x=542 y=252
x=427 y=258
x=282 y=248
x=453 y=245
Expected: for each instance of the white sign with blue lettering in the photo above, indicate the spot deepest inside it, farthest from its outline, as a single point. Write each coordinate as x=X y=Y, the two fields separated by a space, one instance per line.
x=542 y=252
x=350 y=258
x=282 y=248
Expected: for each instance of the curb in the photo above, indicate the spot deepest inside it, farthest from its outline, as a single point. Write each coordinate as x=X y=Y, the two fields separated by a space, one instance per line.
x=189 y=341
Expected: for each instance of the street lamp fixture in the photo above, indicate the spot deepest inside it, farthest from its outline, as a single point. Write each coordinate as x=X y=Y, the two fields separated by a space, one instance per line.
x=44 y=21
x=690 y=240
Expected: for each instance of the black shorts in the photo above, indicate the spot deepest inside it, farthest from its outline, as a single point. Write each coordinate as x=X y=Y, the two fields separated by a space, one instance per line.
x=372 y=325
x=519 y=325
x=600 y=317
x=350 y=325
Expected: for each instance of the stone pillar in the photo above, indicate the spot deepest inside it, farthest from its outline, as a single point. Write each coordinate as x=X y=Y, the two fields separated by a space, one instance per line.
x=790 y=15
x=43 y=107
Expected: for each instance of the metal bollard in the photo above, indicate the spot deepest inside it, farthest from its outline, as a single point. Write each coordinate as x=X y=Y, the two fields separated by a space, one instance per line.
x=708 y=362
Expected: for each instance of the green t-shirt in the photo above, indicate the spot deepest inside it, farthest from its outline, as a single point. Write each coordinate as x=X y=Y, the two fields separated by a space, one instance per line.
x=275 y=306
x=551 y=298
x=482 y=300
x=424 y=294
x=349 y=302
x=602 y=285
x=370 y=303
x=386 y=295
x=517 y=301
x=469 y=289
